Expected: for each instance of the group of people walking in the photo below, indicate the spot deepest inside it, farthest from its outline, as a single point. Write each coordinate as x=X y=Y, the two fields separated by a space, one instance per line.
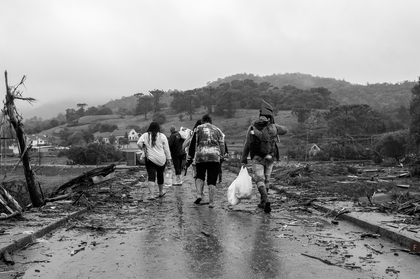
x=205 y=149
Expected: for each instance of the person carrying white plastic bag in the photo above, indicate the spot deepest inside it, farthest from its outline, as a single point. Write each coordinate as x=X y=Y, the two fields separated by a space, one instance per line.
x=240 y=188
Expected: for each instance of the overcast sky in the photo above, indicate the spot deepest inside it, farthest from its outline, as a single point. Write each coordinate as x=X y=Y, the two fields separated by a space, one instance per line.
x=98 y=50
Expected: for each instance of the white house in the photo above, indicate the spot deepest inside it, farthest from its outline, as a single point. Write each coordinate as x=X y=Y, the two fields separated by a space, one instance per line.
x=131 y=134
x=38 y=140
x=312 y=149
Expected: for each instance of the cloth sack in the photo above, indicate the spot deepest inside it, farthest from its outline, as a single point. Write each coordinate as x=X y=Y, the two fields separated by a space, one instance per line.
x=185 y=133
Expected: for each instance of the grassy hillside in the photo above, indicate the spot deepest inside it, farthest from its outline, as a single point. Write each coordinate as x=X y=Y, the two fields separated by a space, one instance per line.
x=234 y=128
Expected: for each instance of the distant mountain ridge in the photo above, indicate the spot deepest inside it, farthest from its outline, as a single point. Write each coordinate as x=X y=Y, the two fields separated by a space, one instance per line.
x=378 y=96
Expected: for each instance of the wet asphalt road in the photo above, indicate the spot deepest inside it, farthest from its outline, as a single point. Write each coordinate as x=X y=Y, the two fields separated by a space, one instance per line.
x=173 y=238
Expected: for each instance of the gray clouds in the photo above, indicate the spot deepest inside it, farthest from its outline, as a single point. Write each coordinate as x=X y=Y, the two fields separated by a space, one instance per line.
x=99 y=50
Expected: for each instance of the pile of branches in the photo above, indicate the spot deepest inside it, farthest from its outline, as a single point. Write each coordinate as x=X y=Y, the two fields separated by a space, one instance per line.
x=403 y=205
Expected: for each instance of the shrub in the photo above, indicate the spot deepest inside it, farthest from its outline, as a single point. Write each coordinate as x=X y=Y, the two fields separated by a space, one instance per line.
x=159 y=118
x=94 y=154
x=322 y=156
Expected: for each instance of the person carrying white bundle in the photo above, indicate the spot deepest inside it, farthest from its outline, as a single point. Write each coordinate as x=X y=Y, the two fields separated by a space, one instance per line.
x=156 y=148
x=261 y=145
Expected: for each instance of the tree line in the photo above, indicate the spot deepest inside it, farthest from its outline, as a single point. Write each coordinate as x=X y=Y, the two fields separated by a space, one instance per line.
x=318 y=114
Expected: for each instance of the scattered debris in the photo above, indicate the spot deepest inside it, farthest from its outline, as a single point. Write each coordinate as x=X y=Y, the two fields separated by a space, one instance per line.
x=373 y=235
x=75 y=251
x=8 y=203
x=328 y=262
x=341 y=212
x=82 y=181
x=373 y=249
x=7 y=258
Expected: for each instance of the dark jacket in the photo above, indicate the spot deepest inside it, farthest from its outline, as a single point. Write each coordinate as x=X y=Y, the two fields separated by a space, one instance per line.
x=175 y=142
x=275 y=131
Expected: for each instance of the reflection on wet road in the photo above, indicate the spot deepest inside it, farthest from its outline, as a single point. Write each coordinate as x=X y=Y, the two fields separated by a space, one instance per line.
x=172 y=237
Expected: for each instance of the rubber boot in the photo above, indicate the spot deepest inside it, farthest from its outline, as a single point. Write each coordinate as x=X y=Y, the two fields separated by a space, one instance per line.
x=212 y=193
x=264 y=199
x=199 y=188
x=150 y=185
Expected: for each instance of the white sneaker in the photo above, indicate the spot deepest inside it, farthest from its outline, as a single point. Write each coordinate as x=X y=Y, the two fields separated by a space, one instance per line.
x=178 y=181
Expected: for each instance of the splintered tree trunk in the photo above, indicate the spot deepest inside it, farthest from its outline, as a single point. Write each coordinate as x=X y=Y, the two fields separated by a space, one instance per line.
x=10 y=108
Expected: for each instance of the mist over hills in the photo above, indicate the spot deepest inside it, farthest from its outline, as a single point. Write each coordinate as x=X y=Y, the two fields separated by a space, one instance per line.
x=47 y=110
x=51 y=109
x=379 y=96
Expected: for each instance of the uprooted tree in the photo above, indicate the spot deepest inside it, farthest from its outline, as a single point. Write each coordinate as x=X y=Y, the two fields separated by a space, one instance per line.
x=9 y=110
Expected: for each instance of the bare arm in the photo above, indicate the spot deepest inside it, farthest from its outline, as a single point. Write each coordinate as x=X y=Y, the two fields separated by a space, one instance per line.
x=245 y=150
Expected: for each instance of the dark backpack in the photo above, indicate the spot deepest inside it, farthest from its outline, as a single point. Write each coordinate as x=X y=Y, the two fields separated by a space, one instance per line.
x=260 y=141
x=179 y=142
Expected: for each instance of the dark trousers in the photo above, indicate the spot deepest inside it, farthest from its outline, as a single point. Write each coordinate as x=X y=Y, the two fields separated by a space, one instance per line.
x=179 y=162
x=212 y=170
x=154 y=171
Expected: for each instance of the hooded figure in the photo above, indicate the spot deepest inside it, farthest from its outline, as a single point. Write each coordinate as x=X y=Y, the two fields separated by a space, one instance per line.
x=261 y=144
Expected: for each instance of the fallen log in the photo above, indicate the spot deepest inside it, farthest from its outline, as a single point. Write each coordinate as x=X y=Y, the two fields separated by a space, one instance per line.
x=83 y=181
x=8 y=202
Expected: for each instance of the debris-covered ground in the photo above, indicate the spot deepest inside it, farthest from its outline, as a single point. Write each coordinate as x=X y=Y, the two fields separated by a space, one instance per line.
x=389 y=189
x=294 y=228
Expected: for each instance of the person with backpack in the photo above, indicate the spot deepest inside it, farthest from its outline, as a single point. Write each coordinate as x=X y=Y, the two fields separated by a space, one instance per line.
x=178 y=154
x=206 y=147
x=261 y=145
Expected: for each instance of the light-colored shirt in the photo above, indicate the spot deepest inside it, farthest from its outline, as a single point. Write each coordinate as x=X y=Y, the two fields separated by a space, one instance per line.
x=158 y=153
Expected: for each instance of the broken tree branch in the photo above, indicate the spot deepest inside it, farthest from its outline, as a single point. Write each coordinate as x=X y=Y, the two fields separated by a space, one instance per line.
x=320 y=259
x=83 y=181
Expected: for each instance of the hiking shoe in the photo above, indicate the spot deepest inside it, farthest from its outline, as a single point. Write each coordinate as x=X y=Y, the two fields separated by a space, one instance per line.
x=261 y=204
x=197 y=201
x=267 y=207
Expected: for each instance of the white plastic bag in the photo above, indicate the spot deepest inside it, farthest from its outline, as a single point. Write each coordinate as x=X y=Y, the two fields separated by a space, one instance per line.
x=185 y=132
x=240 y=188
x=244 y=185
x=231 y=193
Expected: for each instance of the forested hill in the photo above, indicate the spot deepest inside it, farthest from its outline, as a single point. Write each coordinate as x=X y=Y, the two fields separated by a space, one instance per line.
x=378 y=96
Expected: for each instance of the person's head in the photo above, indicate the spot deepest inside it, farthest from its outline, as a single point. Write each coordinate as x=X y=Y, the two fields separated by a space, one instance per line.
x=206 y=119
x=154 y=128
x=267 y=111
x=173 y=129
x=198 y=123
